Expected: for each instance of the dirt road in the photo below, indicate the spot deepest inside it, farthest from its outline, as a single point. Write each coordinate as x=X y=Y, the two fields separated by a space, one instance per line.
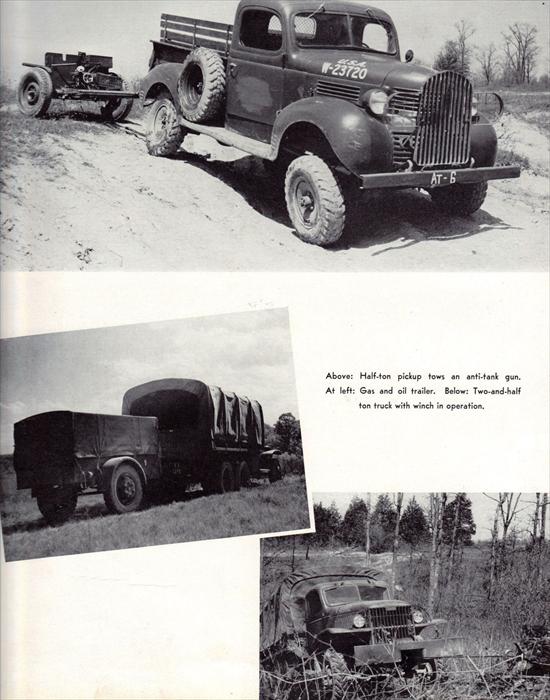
x=98 y=201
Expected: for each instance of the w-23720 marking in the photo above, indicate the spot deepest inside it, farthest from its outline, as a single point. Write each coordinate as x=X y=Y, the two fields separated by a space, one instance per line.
x=346 y=68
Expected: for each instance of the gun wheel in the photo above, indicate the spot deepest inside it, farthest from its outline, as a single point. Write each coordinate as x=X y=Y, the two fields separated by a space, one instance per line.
x=164 y=135
x=460 y=200
x=315 y=201
x=58 y=505
x=35 y=92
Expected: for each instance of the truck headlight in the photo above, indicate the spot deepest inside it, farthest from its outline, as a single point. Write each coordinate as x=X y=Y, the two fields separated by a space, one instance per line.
x=474 y=106
x=376 y=101
x=418 y=617
x=359 y=621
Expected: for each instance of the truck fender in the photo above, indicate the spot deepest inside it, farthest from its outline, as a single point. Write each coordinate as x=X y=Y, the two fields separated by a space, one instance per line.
x=483 y=143
x=108 y=467
x=161 y=79
x=361 y=143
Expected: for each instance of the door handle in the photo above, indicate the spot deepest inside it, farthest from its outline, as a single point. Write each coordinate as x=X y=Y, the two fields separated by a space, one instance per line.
x=233 y=68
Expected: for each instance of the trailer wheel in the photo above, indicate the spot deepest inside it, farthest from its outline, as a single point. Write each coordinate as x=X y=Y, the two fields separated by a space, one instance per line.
x=201 y=87
x=164 y=135
x=58 y=505
x=244 y=475
x=124 y=493
x=315 y=201
x=460 y=200
x=35 y=92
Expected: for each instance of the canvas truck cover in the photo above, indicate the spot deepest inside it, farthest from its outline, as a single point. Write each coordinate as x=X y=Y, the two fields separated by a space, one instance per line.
x=47 y=445
x=210 y=413
x=284 y=612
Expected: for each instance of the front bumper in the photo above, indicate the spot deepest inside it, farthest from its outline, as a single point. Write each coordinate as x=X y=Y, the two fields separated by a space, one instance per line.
x=428 y=179
x=367 y=654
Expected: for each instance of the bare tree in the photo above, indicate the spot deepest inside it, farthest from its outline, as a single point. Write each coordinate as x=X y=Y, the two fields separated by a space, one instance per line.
x=488 y=62
x=520 y=52
x=395 y=547
x=465 y=31
x=437 y=508
x=368 y=516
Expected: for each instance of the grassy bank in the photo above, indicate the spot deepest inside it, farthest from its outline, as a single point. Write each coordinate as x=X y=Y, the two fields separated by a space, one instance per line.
x=262 y=508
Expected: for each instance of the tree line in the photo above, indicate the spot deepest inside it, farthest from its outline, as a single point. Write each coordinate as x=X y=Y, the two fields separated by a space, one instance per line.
x=512 y=61
x=435 y=537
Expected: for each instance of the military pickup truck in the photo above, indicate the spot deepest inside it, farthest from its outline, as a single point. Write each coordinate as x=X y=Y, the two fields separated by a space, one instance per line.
x=324 y=626
x=319 y=90
x=173 y=433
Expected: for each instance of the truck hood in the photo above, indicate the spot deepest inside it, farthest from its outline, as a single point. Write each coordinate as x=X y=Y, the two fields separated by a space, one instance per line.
x=381 y=70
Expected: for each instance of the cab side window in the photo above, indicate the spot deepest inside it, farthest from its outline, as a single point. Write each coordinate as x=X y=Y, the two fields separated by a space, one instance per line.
x=314 y=607
x=261 y=29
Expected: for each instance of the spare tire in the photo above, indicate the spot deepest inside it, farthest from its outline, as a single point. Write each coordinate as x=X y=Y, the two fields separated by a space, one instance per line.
x=35 y=92
x=201 y=87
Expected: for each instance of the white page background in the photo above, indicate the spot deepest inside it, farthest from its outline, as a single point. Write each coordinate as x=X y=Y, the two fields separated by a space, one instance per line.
x=181 y=621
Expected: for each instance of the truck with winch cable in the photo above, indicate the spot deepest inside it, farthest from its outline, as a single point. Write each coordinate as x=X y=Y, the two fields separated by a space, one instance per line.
x=172 y=434
x=319 y=90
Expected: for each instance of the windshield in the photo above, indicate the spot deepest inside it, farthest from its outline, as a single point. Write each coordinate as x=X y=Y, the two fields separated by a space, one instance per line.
x=351 y=593
x=332 y=30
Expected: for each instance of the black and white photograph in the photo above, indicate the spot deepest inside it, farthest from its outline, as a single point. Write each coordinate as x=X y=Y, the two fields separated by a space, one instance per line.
x=420 y=596
x=275 y=135
x=108 y=443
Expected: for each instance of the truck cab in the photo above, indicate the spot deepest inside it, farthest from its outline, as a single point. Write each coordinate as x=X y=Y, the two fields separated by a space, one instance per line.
x=320 y=90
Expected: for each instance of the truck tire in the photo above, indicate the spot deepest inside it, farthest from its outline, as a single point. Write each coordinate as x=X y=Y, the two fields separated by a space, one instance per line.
x=460 y=200
x=35 y=92
x=201 y=87
x=331 y=672
x=124 y=493
x=275 y=472
x=164 y=135
x=244 y=475
x=58 y=505
x=315 y=201
x=223 y=479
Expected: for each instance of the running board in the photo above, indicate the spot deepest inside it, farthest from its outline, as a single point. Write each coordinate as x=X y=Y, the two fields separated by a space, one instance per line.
x=230 y=138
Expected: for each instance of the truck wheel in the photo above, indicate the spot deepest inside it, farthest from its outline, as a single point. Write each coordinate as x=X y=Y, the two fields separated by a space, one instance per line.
x=125 y=491
x=331 y=671
x=58 y=505
x=275 y=473
x=460 y=200
x=224 y=479
x=244 y=474
x=201 y=87
x=35 y=92
x=164 y=135
x=315 y=201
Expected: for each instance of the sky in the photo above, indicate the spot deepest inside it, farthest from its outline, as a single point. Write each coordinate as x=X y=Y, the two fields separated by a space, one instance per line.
x=89 y=371
x=483 y=507
x=123 y=28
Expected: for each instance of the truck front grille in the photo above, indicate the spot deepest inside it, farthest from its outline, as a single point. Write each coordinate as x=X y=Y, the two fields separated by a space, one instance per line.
x=390 y=624
x=403 y=148
x=444 y=119
x=345 y=92
x=404 y=102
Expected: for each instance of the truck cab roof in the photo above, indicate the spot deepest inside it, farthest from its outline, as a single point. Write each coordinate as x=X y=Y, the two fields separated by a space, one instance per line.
x=288 y=7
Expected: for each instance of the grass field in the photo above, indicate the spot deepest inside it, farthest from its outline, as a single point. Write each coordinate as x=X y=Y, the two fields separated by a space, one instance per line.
x=262 y=508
